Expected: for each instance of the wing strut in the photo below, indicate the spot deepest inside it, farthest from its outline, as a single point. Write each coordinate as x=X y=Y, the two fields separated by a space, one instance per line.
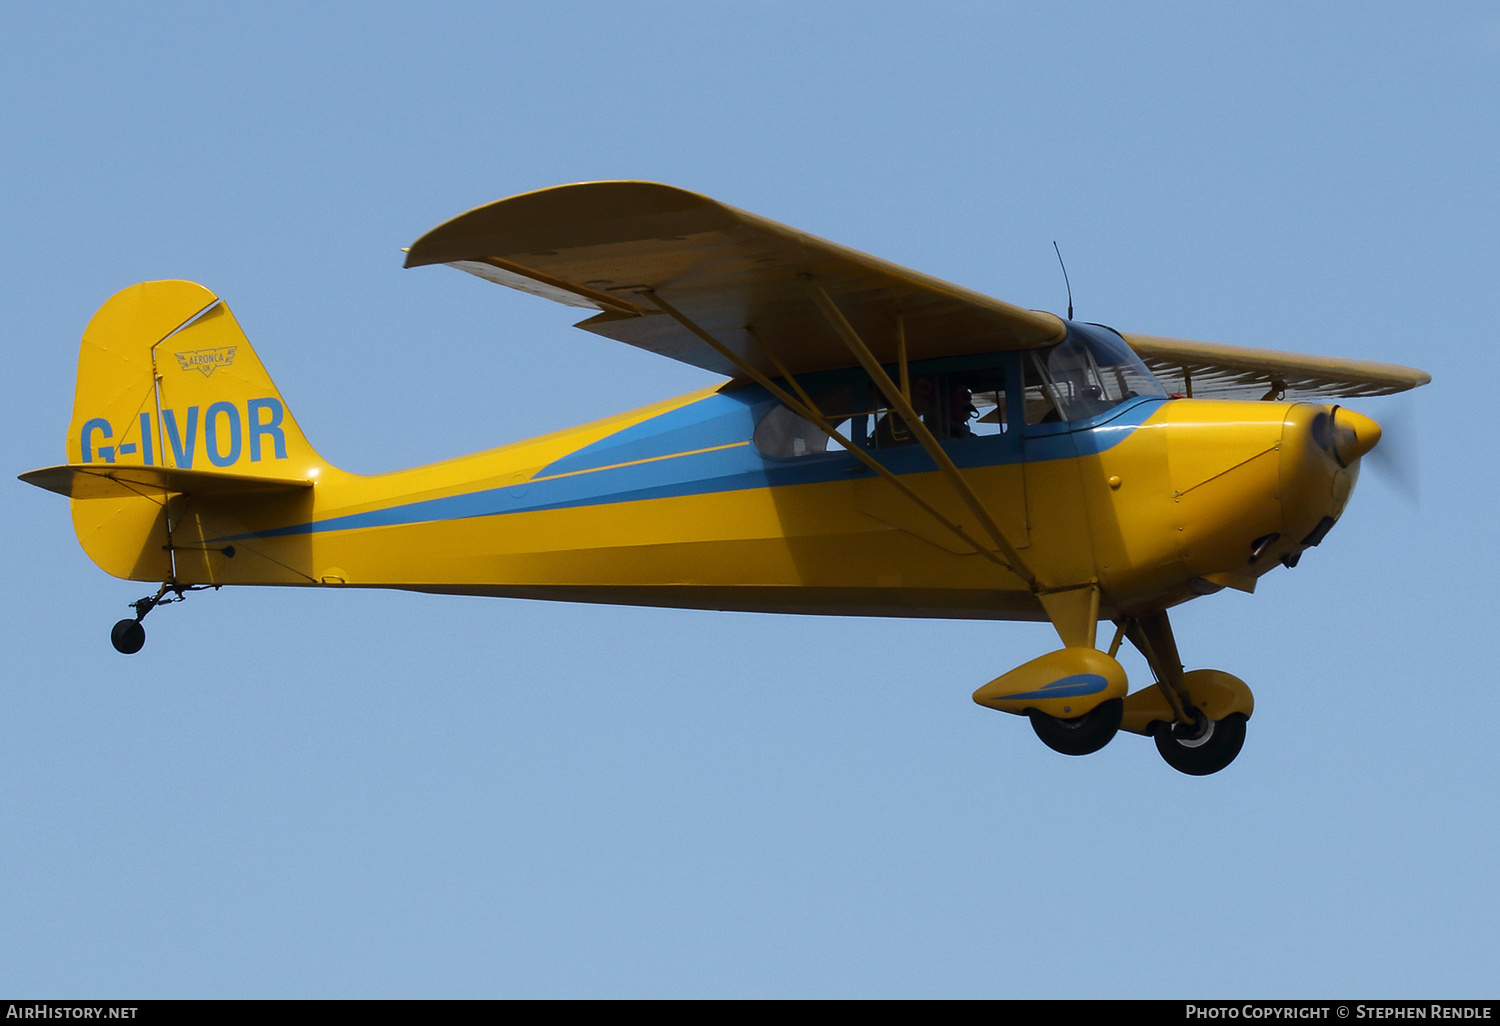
x=806 y=409
x=898 y=399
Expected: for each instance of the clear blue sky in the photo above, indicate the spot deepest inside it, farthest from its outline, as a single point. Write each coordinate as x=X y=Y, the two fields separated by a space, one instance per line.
x=379 y=794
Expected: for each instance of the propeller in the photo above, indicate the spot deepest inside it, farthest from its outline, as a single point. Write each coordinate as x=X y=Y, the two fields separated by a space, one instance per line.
x=1395 y=459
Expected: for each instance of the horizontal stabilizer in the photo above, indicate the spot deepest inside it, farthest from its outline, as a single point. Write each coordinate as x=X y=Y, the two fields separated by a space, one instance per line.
x=95 y=481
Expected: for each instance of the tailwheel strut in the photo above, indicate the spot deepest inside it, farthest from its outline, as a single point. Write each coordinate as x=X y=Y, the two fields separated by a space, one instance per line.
x=129 y=636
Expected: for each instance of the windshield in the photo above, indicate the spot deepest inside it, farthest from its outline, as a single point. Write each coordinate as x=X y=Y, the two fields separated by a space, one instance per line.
x=1089 y=372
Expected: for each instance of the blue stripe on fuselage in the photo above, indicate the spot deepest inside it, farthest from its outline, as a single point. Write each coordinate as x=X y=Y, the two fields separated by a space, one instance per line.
x=720 y=419
x=674 y=464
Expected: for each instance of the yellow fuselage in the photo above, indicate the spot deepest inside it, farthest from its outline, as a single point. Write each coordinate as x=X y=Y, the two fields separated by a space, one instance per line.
x=1155 y=501
x=184 y=466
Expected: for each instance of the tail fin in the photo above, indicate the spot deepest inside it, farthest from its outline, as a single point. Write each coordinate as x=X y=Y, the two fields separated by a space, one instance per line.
x=171 y=400
x=166 y=378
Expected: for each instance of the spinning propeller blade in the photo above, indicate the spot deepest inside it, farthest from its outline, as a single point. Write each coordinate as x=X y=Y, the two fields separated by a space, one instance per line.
x=1395 y=460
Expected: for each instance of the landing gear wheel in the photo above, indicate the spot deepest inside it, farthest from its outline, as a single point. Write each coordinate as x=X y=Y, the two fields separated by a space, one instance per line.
x=127 y=636
x=1082 y=735
x=1202 y=748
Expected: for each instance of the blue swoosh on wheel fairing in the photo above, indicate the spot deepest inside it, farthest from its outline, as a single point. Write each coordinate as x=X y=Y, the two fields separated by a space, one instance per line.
x=1068 y=687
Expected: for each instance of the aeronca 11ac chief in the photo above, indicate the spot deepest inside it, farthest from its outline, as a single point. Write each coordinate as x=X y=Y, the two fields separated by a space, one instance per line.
x=887 y=444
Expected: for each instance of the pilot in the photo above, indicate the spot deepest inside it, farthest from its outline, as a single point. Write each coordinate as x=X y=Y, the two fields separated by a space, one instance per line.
x=946 y=411
x=961 y=410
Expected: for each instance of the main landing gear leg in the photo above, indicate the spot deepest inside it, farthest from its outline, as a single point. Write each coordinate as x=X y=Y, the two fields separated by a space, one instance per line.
x=1193 y=743
x=128 y=636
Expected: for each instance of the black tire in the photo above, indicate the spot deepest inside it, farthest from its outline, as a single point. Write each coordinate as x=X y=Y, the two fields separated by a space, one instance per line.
x=1082 y=735
x=127 y=636
x=1208 y=753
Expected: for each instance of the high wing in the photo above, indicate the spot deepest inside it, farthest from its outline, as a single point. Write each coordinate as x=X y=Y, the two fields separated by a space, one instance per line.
x=1210 y=370
x=609 y=245
x=748 y=282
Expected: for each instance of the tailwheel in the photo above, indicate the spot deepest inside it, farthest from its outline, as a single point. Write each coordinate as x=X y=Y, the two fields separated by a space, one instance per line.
x=1086 y=734
x=128 y=636
x=1202 y=747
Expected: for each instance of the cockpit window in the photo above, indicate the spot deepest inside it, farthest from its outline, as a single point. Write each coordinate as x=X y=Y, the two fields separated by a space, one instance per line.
x=953 y=405
x=960 y=398
x=1089 y=372
x=784 y=435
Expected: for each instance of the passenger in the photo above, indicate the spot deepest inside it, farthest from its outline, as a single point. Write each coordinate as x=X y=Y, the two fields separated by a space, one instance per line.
x=891 y=429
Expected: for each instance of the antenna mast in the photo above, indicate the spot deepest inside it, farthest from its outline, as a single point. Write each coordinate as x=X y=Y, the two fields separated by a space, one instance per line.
x=1065 y=278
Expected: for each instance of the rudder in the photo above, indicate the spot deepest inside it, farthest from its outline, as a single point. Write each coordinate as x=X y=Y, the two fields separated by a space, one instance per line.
x=168 y=380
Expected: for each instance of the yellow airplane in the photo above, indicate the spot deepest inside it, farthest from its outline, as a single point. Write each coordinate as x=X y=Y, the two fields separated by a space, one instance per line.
x=887 y=444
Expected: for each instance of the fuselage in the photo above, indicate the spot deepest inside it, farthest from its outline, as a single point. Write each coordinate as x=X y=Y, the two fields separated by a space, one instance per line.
x=919 y=451
x=685 y=503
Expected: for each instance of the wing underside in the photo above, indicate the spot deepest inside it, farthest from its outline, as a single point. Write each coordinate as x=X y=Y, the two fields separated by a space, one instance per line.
x=745 y=280
x=1210 y=370
x=749 y=283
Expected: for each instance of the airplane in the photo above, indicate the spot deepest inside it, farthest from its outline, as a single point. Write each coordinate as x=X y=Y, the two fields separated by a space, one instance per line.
x=885 y=444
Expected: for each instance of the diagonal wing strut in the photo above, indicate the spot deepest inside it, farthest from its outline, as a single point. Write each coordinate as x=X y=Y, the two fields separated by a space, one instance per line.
x=806 y=409
x=900 y=401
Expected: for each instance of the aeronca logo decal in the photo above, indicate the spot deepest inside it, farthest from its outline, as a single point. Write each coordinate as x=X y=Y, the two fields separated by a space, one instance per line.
x=207 y=360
